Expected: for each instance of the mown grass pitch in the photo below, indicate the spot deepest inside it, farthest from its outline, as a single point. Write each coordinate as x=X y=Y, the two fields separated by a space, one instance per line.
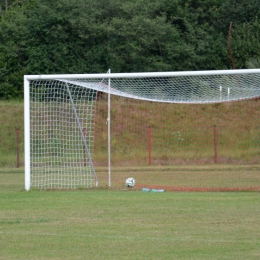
x=118 y=224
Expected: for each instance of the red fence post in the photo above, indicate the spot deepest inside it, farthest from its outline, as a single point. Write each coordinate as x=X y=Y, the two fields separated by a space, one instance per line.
x=149 y=145
x=215 y=145
x=84 y=148
x=18 y=146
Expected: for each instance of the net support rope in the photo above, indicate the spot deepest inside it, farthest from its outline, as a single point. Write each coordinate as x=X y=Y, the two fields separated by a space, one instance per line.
x=82 y=135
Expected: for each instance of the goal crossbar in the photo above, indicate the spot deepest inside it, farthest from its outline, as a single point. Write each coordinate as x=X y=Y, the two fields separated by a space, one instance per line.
x=143 y=74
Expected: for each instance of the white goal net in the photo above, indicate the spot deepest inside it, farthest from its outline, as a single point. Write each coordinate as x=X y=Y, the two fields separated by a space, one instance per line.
x=62 y=117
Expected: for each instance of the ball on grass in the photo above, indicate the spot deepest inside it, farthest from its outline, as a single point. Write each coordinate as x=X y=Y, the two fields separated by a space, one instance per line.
x=130 y=182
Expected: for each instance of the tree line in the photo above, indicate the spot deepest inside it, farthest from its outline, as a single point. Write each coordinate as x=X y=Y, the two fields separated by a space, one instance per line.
x=91 y=36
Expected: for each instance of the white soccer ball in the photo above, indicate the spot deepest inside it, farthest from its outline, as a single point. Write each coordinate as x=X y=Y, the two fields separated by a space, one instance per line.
x=130 y=182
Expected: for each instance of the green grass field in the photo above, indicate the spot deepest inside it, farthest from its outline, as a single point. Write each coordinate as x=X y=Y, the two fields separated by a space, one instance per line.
x=126 y=224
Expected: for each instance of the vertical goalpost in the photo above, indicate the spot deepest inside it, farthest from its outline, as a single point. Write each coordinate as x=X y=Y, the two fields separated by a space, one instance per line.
x=27 y=149
x=108 y=133
x=64 y=115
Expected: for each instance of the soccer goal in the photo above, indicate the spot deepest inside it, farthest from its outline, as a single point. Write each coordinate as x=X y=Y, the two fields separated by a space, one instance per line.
x=94 y=130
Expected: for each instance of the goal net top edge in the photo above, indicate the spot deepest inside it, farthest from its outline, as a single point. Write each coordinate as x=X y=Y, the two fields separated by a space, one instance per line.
x=100 y=86
x=142 y=74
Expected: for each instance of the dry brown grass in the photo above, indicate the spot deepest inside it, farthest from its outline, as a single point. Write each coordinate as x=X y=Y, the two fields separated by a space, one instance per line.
x=181 y=134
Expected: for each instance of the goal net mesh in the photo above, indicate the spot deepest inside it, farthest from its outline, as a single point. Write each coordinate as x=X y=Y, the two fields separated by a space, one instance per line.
x=161 y=129
x=186 y=89
x=61 y=135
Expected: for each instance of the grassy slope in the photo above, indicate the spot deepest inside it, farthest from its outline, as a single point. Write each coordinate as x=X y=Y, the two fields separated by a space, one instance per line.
x=11 y=118
x=182 y=134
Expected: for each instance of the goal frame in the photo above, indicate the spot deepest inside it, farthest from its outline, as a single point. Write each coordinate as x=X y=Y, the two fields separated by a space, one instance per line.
x=109 y=76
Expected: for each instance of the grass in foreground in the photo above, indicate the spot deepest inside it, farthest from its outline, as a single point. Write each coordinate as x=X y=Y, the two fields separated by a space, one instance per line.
x=109 y=224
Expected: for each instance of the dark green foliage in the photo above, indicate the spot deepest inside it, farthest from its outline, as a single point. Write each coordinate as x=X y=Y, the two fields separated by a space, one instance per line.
x=89 y=36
